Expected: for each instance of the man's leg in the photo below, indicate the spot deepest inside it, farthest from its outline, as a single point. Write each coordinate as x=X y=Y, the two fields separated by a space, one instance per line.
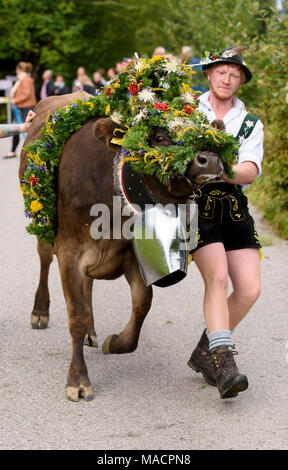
x=212 y=263
x=244 y=272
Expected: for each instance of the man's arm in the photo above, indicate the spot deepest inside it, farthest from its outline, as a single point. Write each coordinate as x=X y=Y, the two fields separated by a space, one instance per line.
x=245 y=173
x=249 y=158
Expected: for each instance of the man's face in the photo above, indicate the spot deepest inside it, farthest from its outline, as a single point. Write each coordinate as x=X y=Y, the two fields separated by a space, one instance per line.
x=224 y=80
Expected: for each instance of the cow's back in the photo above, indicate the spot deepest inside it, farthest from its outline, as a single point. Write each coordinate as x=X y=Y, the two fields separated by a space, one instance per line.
x=41 y=109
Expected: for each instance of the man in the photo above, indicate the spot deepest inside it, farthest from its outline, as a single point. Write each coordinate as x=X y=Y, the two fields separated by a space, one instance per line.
x=228 y=244
x=8 y=130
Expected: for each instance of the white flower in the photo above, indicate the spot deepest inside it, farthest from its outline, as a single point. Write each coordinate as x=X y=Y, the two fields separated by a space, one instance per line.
x=179 y=123
x=140 y=65
x=164 y=84
x=146 y=95
x=170 y=66
x=241 y=139
x=141 y=115
x=116 y=117
x=250 y=123
x=188 y=98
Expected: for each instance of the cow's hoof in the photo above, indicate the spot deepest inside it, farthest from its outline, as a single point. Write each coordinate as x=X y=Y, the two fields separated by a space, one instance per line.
x=39 y=322
x=83 y=391
x=90 y=340
x=107 y=345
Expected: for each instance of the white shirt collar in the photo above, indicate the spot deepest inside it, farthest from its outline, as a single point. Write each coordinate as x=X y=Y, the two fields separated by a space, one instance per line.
x=204 y=99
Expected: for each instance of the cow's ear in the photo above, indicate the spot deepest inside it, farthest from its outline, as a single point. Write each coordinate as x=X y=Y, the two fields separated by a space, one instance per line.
x=109 y=132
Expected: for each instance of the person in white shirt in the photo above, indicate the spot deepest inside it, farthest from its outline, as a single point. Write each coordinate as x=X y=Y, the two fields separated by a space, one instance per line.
x=228 y=244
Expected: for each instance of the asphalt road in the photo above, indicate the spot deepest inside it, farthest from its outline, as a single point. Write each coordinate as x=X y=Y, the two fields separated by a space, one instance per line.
x=150 y=399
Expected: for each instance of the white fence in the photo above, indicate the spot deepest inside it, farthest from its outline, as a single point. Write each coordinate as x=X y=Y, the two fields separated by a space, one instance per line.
x=6 y=85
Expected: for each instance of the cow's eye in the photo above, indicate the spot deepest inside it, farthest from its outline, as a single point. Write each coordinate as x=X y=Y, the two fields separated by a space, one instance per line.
x=160 y=139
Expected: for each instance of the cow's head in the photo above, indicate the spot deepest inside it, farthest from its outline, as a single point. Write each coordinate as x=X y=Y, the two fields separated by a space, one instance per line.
x=205 y=167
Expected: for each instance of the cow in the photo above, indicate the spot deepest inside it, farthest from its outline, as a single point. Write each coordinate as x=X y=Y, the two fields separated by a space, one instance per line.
x=86 y=176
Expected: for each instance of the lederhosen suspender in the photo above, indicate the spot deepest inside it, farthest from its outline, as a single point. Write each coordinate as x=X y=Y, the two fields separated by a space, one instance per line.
x=246 y=128
x=245 y=131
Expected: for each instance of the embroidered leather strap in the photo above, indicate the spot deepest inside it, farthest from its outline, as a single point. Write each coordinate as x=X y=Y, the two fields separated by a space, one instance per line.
x=246 y=128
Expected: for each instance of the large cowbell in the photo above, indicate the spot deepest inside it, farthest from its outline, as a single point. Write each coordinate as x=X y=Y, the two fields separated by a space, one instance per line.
x=162 y=242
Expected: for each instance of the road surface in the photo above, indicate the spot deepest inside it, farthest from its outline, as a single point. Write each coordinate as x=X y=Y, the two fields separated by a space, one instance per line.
x=150 y=399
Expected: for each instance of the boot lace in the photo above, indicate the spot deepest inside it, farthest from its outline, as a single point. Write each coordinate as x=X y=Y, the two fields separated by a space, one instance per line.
x=224 y=361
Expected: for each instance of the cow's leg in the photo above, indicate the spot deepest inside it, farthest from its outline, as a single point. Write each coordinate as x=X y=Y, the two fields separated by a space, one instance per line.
x=40 y=312
x=127 y=340
x=76 y=291
x=90 y=337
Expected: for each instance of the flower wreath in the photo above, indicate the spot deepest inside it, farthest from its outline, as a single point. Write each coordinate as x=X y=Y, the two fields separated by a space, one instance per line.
x=147 y=93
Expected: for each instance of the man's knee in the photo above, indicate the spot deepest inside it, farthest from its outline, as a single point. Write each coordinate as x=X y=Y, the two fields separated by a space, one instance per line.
x=250 y=294
x=217 y=280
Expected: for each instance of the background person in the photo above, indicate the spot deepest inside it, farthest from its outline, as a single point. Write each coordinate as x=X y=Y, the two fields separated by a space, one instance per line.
x=60 y=87
x=47 y=88
x=98 y=79
x=23 y=99
x=159 y=50
x=87 y=84
x=77 y=84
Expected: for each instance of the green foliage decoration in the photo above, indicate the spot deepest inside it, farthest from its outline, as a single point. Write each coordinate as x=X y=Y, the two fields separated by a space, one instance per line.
x=146 y=94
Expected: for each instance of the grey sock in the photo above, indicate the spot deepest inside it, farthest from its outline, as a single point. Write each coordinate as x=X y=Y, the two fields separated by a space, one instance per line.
x=219 y=338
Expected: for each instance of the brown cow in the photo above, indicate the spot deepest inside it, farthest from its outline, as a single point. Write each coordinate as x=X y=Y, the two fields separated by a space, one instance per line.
x=86 y=177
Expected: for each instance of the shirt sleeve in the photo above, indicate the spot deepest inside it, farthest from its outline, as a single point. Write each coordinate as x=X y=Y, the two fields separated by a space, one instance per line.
x=251 y=149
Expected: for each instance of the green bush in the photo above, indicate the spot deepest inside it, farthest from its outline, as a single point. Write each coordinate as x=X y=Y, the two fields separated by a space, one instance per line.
x=270 y=192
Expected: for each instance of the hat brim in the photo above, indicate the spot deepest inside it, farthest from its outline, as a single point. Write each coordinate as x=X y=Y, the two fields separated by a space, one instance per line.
x=247 y=73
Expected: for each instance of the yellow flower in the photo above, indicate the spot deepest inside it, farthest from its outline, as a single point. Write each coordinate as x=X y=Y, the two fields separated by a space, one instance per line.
x=36 y=206
x=108 y=108
x=49 y=129
x=90 y=105
x=156 y=57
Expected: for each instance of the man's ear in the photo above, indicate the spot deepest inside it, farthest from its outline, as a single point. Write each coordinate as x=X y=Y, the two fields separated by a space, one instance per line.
x=107 y=131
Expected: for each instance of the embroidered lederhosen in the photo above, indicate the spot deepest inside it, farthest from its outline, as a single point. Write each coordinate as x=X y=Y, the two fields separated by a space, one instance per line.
x=223 y=209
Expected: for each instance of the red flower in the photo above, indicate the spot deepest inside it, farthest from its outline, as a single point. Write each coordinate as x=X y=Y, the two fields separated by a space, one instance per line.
x=213 y=57
x=33 y=180
x=188 y=109
x=161 y=106
x=134 y=88
x=108 y=92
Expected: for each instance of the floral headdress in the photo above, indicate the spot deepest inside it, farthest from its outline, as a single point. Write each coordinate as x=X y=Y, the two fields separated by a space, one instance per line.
x=146 y=94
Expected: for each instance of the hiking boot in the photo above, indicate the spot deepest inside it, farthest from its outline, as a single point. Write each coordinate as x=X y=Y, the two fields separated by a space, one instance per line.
x=228 y=379
x=201 y=360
